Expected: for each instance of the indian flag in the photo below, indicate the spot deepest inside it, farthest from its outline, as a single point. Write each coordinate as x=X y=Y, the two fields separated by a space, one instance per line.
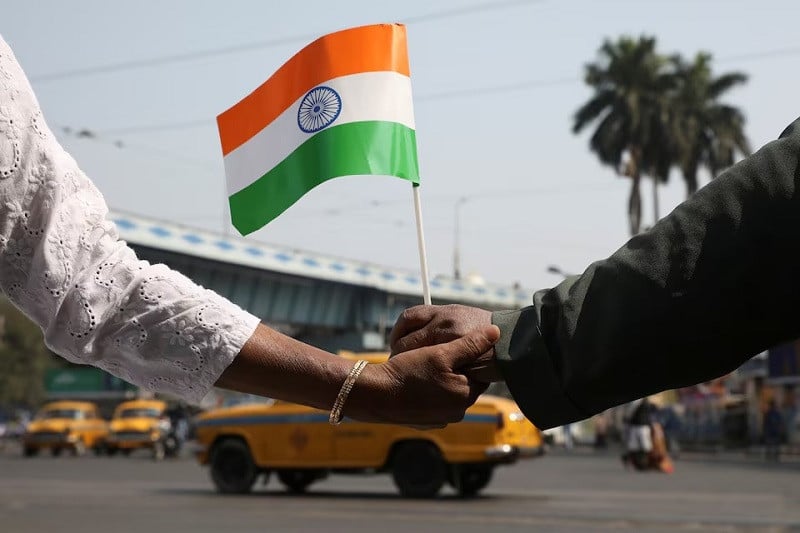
x=341 y=106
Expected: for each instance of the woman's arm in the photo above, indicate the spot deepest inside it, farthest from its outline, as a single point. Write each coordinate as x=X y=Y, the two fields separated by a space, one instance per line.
x=422 y=387
x=62 y=263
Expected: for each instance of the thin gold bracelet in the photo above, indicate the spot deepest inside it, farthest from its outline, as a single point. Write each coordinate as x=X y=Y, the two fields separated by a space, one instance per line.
x=338 y=406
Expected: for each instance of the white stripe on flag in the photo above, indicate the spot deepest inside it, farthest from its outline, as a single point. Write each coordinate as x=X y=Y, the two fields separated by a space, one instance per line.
x=383 y=96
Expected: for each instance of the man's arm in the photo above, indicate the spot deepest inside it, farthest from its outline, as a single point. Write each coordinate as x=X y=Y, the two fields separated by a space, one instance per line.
x=712 y=284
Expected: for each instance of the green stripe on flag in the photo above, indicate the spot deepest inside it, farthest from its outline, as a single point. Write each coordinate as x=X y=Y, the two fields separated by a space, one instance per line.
x=356 y=148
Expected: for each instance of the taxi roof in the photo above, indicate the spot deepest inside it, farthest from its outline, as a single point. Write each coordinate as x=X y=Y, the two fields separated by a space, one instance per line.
x=133 y=404
x=68 y=404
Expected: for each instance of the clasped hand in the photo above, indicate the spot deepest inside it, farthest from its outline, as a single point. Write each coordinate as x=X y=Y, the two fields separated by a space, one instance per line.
x=432 y=325
x=442 y=359
x=426 y=386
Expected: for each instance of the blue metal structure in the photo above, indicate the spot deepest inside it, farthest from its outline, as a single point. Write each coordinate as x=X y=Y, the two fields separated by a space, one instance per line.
x=331 y=302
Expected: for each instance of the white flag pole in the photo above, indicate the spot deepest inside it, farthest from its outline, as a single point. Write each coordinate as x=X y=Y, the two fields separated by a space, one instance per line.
x=423 y=259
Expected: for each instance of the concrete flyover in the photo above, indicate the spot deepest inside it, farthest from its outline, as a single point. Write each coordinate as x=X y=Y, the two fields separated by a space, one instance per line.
x=331 y=302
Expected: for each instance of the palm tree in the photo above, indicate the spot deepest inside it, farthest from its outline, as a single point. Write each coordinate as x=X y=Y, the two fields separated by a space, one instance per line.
x=707 y=133
x=660 y=154
x=631 y=83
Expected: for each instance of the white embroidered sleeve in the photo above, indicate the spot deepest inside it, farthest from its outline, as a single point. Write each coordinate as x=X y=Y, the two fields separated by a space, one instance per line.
x=62 y=263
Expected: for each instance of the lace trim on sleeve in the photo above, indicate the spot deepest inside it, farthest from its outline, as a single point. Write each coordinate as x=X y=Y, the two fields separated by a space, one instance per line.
x=62 y=263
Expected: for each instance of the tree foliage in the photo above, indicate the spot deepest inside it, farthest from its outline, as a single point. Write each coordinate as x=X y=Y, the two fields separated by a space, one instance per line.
x=24 y=359
x=652 y=113
x=707 y=133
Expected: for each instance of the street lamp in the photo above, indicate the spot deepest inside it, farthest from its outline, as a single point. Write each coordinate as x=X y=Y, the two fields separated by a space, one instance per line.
x=457 y=238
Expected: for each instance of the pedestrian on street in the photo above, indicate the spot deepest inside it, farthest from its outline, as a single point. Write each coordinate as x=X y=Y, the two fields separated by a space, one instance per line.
x=671 y=425
x=638 y=435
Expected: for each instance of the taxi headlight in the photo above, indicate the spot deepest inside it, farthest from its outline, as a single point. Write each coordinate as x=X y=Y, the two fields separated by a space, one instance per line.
x=516 y=417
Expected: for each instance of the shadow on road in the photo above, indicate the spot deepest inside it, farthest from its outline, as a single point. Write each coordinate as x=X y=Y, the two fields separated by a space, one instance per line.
x=338 y=495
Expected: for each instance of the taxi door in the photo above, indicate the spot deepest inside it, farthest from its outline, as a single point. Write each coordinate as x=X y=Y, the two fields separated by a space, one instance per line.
x=297 y=437
x=359 y=444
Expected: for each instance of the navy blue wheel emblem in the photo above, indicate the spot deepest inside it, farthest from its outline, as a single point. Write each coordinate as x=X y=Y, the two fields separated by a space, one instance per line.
x=319 y=108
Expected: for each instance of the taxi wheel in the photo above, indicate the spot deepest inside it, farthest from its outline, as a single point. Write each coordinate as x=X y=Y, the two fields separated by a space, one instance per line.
x=297 y=480
x=30 y=451
x=418 y=470
x=470 y=479
x=126 y=451
x=232 y=468
x=55 y=452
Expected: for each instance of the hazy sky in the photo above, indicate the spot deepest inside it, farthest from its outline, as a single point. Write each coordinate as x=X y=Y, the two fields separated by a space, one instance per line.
x=495 y=86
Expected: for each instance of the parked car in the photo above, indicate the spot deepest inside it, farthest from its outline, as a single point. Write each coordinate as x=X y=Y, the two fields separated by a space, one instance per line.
x=141 y=424
x=75 y=426
x=297 y=443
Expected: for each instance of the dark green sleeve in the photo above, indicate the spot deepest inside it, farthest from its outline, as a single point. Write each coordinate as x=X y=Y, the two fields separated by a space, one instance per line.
x=712 y=284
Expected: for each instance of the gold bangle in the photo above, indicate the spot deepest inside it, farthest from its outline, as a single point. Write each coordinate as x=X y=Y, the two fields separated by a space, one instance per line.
x=338 y=406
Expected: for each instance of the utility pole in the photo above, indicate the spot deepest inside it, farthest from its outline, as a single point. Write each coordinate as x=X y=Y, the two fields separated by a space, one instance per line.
x=457 y=238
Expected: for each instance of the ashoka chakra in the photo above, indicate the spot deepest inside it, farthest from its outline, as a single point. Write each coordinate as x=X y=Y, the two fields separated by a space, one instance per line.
x=319 y=108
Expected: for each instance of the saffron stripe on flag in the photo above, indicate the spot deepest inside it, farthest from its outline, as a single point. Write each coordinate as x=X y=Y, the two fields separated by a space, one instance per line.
x=375 y=48
x=390 y=149
x=373 y=96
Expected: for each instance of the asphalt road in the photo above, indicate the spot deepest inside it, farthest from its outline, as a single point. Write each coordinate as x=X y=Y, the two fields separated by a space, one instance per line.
x=577 y=492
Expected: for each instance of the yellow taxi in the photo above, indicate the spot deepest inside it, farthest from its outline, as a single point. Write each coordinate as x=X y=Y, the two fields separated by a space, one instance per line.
x=299 y=445
x=139 y=424
x=70 y=425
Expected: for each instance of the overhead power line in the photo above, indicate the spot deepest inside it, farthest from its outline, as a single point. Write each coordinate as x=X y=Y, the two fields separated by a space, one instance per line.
x=128 y=130
x=245 y=47
x=468 y=10
x=85 y=134
x=163 y=60
x=459 y=93
x=777 y=52
x=504 y=88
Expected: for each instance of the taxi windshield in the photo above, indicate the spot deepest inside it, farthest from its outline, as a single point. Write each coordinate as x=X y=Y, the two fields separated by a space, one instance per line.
x=72 y=414
x=139 y=412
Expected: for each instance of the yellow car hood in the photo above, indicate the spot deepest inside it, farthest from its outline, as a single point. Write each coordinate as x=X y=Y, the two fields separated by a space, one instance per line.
x=55 y=425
